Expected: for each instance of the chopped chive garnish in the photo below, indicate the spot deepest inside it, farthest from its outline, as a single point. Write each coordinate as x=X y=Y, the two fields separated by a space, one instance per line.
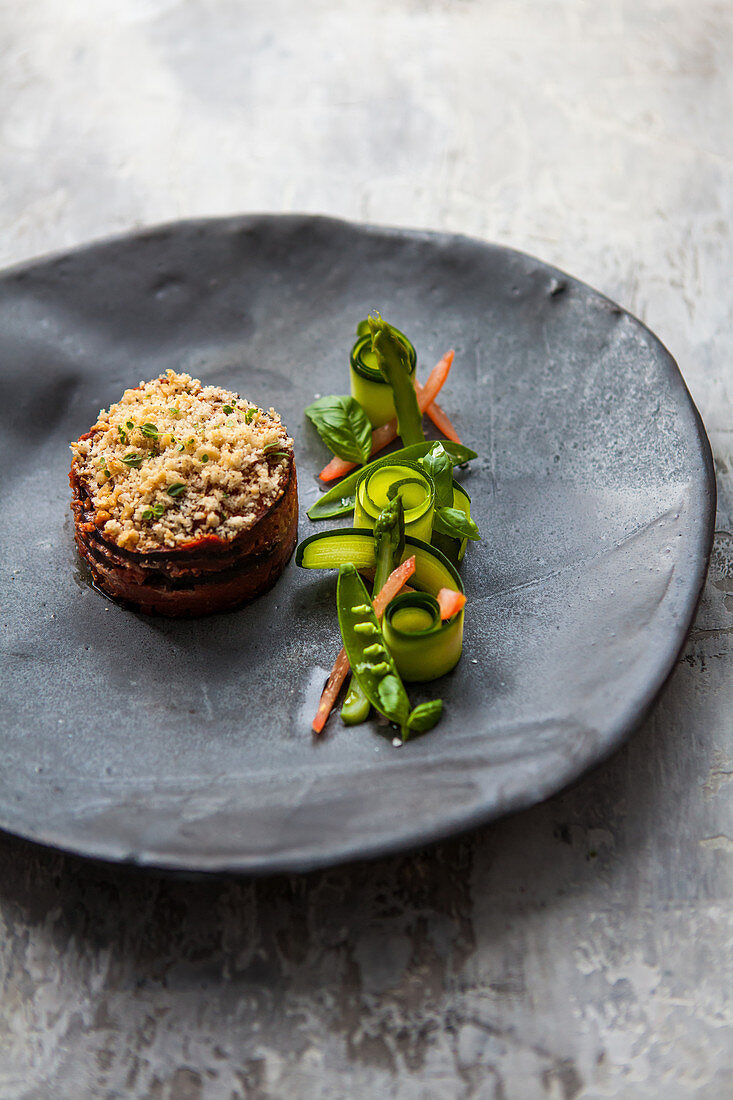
x=274 y=450
x=228 y=409
x=204 y=458
x=130 y=424
x=176 y=413
x=177 y=489
x=149 y=430
x=181 y=447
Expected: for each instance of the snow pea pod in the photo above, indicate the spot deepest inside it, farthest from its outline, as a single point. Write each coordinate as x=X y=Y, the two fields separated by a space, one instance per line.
x=355 y=707
x=389 y=544
x=371 y=662
x=422 y=645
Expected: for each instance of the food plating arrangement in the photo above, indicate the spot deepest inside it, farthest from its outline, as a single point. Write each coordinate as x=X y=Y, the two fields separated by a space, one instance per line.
x=185 y=503
x=412 y=522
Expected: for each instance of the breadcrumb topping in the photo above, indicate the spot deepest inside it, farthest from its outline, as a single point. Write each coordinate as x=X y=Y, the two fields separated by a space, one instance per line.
x=174 y=460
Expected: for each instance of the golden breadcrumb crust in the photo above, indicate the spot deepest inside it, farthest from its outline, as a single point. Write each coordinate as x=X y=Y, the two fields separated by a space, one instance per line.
x=173 y=460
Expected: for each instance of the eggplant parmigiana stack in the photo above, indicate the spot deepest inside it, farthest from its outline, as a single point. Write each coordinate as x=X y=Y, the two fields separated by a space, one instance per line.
x=184 y=497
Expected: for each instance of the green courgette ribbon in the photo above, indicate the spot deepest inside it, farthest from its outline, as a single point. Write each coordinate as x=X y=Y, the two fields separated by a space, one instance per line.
x=424 y=654
x=381 y=483
x=339 y=499
x=330 y=549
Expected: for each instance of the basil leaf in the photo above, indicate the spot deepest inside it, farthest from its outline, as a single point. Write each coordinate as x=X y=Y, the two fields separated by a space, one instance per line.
x=454 y=522
x=440 y=467
x=425 y=716
x=343 y=426
x=392 y=697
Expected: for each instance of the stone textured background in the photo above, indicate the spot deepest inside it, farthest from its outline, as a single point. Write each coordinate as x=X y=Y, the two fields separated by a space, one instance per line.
x=576 y=951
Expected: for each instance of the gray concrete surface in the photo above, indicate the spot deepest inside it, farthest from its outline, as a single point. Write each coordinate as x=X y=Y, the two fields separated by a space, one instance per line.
x=577 y=951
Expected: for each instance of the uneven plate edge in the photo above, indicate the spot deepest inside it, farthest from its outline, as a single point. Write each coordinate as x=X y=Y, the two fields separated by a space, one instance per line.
x=555 y=781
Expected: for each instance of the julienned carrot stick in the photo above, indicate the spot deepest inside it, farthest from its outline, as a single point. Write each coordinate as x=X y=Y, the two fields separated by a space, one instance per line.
x=450 y=602
x=337 y=467
x=340 y=670
x=439 y=417
x=397 y=578
x=435 y=381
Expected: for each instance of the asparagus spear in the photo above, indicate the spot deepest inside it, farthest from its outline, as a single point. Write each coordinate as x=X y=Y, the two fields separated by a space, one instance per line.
x=393 y=366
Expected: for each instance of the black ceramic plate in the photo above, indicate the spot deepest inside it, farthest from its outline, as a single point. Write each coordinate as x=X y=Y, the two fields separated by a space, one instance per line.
x=186 y=744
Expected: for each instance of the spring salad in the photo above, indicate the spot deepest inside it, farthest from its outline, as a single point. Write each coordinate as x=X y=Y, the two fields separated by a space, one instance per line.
x=411 y=526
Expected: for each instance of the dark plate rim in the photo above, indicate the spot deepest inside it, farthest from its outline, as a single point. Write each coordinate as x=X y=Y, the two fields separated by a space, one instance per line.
x=556 y=779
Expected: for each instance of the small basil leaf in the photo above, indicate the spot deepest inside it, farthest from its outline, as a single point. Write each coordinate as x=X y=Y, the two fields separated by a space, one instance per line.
x=392 y=697
x=438 y=464
x=454 y=522
x=343 y=426
x=425 y=716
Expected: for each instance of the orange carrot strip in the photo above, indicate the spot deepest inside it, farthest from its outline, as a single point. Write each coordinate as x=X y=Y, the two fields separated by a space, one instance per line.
x=435 y=381
x=340 y=670
x=450 y=602
x=440 y=418
x=337 y=467
x=393 y=584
